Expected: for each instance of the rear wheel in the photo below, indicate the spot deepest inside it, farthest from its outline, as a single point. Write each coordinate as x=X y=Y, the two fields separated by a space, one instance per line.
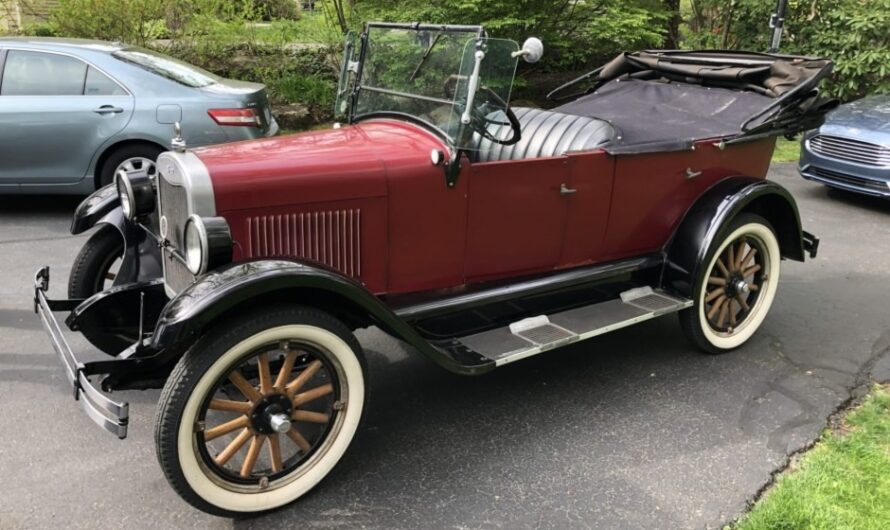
x=135 y=159
x=260 y=410
x=736 y=289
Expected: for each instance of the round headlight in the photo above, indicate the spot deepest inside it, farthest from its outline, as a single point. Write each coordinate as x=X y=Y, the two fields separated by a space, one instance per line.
x=136 y=193
x=125 y=192
x=195 y=245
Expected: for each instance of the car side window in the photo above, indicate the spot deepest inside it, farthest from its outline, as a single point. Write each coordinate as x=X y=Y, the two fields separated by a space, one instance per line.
x=99 y=84
x=28 y=73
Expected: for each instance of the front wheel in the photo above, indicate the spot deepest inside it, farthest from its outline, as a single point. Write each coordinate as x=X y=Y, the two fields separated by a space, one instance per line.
x=96 y=265
x=736 y=288
x=260 y=410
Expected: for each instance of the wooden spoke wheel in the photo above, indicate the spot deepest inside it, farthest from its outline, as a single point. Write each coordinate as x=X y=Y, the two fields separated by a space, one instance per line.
x=736 y=287
x=269 y=414
x=260 y=410
x=734 y=283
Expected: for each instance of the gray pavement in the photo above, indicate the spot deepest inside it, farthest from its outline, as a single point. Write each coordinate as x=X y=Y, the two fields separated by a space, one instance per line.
x=631 y=430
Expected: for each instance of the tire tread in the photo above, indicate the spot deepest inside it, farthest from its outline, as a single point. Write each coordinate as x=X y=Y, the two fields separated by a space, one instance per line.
x=195 y=362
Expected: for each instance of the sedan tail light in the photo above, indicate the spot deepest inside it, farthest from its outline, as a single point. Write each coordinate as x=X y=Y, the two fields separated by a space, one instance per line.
x=235 y=117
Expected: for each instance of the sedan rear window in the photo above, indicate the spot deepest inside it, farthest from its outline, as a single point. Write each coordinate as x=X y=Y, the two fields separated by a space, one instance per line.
x=168 y=67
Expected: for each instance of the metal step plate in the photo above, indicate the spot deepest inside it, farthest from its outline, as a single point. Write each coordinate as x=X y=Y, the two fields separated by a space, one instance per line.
x=534 y=335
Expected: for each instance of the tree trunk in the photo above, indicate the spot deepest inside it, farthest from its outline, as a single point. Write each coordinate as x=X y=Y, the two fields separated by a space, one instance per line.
x=672 y=38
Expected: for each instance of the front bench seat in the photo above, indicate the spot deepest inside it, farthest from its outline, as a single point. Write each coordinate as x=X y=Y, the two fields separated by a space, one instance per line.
x=544 y=134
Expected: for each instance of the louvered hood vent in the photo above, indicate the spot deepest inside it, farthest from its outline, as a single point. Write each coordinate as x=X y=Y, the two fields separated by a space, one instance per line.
x=329 y=237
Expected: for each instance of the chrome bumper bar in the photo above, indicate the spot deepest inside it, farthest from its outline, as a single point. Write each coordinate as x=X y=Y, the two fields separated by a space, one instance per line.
x=111 y=415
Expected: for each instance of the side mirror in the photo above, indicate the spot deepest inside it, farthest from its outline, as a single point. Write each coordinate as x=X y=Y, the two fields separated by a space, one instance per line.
x=532 y=50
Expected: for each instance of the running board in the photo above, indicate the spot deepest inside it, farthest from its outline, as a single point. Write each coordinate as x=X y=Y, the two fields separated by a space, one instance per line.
x=537 y=334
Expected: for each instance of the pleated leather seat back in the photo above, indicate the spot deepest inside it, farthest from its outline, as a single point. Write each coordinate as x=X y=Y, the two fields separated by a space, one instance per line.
x=544 y=134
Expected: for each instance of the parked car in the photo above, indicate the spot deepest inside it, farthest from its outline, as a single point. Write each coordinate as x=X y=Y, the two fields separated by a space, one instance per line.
x=851 y=150
x=74 y=112
x=477 y=233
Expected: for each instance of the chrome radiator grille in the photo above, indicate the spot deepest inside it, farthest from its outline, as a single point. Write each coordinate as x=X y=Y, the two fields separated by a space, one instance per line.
x=329 y=237
x=173 y=207
x=856 y=151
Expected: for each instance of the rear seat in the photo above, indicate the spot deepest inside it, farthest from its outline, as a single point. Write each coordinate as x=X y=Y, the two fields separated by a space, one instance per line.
x=544 y=134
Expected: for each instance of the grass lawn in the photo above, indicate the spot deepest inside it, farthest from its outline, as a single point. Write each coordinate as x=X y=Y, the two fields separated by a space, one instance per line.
x=842 y=483
x=786 y=150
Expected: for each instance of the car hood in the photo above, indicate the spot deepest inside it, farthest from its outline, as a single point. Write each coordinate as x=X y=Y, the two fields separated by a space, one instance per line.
x=316 y=166
x=867 y=119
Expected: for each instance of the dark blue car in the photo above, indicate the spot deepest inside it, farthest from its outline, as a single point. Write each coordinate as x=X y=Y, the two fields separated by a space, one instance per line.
x=851 y=150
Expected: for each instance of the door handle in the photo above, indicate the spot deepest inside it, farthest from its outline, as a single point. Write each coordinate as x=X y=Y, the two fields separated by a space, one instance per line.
x=108 y=109
x=564 y=190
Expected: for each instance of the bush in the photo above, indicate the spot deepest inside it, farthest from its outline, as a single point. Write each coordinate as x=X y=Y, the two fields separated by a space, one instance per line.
x=854 y=33
x=575 y=34
x=278 y=9
x=115 y=20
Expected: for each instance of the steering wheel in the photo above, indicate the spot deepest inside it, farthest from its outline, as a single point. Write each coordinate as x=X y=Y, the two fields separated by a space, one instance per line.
x=480 y=119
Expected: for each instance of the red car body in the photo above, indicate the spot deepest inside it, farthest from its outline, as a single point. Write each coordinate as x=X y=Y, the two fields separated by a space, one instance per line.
x=367 y=194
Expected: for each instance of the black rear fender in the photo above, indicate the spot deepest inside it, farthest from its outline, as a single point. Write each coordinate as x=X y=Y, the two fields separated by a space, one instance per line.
x=231 y=290
x=718 y=206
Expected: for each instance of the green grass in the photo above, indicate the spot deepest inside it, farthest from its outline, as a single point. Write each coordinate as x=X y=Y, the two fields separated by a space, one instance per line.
x=842 y=483
x=786 y=150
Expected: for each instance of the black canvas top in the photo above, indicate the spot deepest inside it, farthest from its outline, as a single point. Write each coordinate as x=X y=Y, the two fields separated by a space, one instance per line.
x=659 y=100
x=646 y=112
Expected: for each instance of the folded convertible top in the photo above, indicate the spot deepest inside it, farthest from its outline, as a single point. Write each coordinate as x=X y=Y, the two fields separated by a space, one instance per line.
x=668 y=99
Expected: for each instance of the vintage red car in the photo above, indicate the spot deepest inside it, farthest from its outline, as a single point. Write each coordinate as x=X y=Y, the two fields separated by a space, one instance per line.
x=478 y=233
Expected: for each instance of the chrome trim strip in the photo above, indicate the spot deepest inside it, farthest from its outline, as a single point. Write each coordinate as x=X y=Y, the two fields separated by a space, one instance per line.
x=850 y=150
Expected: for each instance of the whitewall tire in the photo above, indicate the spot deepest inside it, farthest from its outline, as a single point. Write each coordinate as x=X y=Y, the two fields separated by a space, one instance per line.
x=260 y=410
x=736 y=286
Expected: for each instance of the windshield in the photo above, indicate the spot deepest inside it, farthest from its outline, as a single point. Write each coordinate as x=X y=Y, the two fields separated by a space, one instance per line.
x=168 y=67
x=413 y=71
x=451 y=77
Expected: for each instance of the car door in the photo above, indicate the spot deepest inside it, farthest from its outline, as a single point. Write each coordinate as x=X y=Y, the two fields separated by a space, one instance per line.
x=517 y=216
x=56 y=110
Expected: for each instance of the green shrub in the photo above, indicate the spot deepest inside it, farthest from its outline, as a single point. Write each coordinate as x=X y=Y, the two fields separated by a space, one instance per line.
x=854 y=33
x=115 y=20
x=278 y=9
x=576 y=34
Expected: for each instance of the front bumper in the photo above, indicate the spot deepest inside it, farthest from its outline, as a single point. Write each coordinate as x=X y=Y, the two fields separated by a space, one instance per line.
x=843 y=174
x=112 y=416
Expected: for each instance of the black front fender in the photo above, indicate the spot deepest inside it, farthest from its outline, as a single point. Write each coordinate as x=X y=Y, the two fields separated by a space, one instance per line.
x=719 y=205
x=244 y=285
x=94 y=208
x=142 y=257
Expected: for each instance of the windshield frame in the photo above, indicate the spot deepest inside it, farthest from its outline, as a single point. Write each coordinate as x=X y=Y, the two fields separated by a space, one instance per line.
x=473 y=31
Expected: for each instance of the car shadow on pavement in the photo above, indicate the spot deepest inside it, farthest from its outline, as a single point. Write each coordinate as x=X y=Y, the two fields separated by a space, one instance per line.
x=62 y=204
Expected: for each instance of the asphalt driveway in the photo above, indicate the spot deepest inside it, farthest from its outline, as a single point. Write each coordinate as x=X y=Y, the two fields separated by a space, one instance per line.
x=633 y=429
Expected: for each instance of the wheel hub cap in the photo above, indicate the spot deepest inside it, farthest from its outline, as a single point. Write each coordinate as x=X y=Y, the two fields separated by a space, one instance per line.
x=279 y=423
x=271 y=414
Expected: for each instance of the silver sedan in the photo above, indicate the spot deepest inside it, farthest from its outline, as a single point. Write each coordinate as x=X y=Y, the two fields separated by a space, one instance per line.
x=74 y=112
